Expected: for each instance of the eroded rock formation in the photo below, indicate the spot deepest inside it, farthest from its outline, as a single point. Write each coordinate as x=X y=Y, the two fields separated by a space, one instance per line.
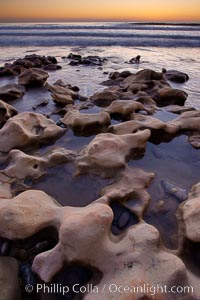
x=33 y=77
x=6 y=111
x=125 y=260
x=130 y=184
x=11 y=91
x=86 y=124
x=108 y=152
x=28 y=129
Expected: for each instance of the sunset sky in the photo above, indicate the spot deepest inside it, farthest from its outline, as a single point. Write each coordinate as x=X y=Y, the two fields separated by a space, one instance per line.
x=130 y=10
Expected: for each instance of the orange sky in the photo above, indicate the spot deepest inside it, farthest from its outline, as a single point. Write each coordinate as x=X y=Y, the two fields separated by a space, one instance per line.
x=132 y=10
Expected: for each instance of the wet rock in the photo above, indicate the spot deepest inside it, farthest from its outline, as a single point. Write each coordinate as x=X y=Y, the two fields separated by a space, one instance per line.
x=11 y=91
x=62 y=95
x=6 y=111
x=28 y=129
x=160 y=131
x=28 y=62
x=9 y=285
x=125 y=108
x=108 y=152
x=189 y=123
x=176 y=76
x=7 y=71
x=92 y=60
x=33 y=77
x=44 y=102
x=23 y=169
x=154 y=85
x=104 y=98
x=189 y=215
x=129 y=185
x=52 y=67
x=177 y=109
x=173 y=190
x=167 y=95
x=129 y=259
x=86 y=124
x=135 y=60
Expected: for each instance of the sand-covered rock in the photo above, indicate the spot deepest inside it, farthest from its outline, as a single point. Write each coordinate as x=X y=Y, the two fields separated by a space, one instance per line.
x=125 y=108
x=33 y=77
x=6 y=111
x=154 y=84
x=62 y=94
x=125 y=260
x=177 y=109
x=22 y=166
x=160 y=131
x=167 y=95
x=106 y=97
x=189 y=123
x=28 y=62
x=175 y=76
x=11 y=91
x=86 y=124
x=189 y=215
x=108 y=152
x=28 y=129
x=9 y=282
x=129 y=185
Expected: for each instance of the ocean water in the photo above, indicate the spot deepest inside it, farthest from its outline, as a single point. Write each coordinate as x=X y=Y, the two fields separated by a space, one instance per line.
x=100 y=34
x=172 y=46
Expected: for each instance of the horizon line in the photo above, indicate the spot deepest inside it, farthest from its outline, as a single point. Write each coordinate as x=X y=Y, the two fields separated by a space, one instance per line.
x=44 y=20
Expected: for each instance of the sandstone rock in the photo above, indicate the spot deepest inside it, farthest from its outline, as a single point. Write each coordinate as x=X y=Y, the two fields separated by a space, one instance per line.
x=108 y=153
x=92 y=60
x=5 y=186
x=154 y=84
x=86 y=124
x=28 y=129
x=129 y=185
x=104 y=98
x=176 y=109
x=22 y=165
x=9 y=285
x=11 y=91
x=189 y=123
x=176 y=76
x=107 y=96
x=52 y=67
x=6 y=111
x=125 y=108
x=7 y=71
x=62 y=95
x=167 y=95
x=160 y=131
x=189 y=215
x=133 y=259
x=33 y=77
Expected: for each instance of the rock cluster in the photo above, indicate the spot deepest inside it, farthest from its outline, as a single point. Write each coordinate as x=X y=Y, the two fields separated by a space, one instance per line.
x=28 y=62
x=91 y=60
x=134 y=256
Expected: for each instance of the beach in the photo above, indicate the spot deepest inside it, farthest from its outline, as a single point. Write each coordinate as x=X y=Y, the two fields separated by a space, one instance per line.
x=99 y=159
